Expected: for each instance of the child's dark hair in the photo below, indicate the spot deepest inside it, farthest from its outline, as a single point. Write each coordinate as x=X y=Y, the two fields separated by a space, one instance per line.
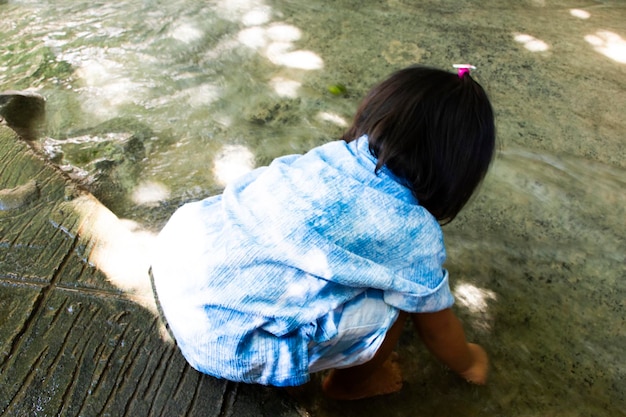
x=434 y=130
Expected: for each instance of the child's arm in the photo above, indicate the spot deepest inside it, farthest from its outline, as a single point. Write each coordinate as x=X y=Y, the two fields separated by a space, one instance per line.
x=443 y=335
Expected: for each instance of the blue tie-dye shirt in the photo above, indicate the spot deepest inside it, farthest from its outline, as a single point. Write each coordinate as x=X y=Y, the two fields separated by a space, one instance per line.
x=247 y=278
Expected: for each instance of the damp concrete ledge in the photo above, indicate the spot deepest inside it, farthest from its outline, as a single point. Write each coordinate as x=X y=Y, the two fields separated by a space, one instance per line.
x=73 y=340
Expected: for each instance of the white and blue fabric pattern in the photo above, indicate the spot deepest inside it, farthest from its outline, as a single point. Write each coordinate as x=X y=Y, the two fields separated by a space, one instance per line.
x=250 y=279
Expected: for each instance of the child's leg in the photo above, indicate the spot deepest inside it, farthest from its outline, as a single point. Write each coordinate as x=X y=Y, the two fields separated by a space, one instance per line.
x=381 y=375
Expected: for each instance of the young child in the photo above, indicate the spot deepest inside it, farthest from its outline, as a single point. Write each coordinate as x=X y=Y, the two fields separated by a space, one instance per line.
x=316 y=261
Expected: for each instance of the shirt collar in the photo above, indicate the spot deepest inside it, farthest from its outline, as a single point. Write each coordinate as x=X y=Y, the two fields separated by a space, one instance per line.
x=362 y=151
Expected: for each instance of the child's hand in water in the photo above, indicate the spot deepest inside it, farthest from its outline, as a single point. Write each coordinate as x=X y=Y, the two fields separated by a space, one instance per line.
x=477 y=372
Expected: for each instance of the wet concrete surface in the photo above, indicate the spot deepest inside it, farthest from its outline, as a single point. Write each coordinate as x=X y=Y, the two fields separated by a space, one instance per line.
x=71 y=342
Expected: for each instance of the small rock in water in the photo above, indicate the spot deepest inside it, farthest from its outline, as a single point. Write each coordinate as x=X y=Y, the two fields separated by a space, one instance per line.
x=24 y=112
x=12 y=198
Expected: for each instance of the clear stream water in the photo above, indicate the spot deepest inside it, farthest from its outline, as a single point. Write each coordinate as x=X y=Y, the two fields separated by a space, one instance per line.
x=155 y=103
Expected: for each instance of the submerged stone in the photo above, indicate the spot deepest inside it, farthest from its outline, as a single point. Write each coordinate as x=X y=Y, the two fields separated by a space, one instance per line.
x=24 y=112
x=107 y=159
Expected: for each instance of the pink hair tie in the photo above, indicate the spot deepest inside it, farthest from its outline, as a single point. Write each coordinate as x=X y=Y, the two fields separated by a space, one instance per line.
x=463 y=69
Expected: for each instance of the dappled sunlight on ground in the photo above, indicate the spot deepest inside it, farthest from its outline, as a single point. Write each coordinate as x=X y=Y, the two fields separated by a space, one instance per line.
x=581 y=14
x=276 y=43
x=232 y=162
x=531 y=43
x=476 y=300
x=609 y=44
x=332 y=118
x=109 y=82
x=121 y=249
x=106 y=83
x=186 y=32
x=285 y=87
x=280 y=54
x=237 y=10
x=150 y=193
x=201 y=95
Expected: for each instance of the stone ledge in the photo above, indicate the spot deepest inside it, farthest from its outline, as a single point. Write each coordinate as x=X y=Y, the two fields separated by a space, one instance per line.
x=79 y=340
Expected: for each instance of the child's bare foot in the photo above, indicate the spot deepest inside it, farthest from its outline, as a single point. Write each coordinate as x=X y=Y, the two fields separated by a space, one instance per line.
x=477 y=372
x=387 y=379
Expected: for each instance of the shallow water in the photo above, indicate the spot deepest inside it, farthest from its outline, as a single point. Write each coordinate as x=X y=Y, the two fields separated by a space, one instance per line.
x=211 y=89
